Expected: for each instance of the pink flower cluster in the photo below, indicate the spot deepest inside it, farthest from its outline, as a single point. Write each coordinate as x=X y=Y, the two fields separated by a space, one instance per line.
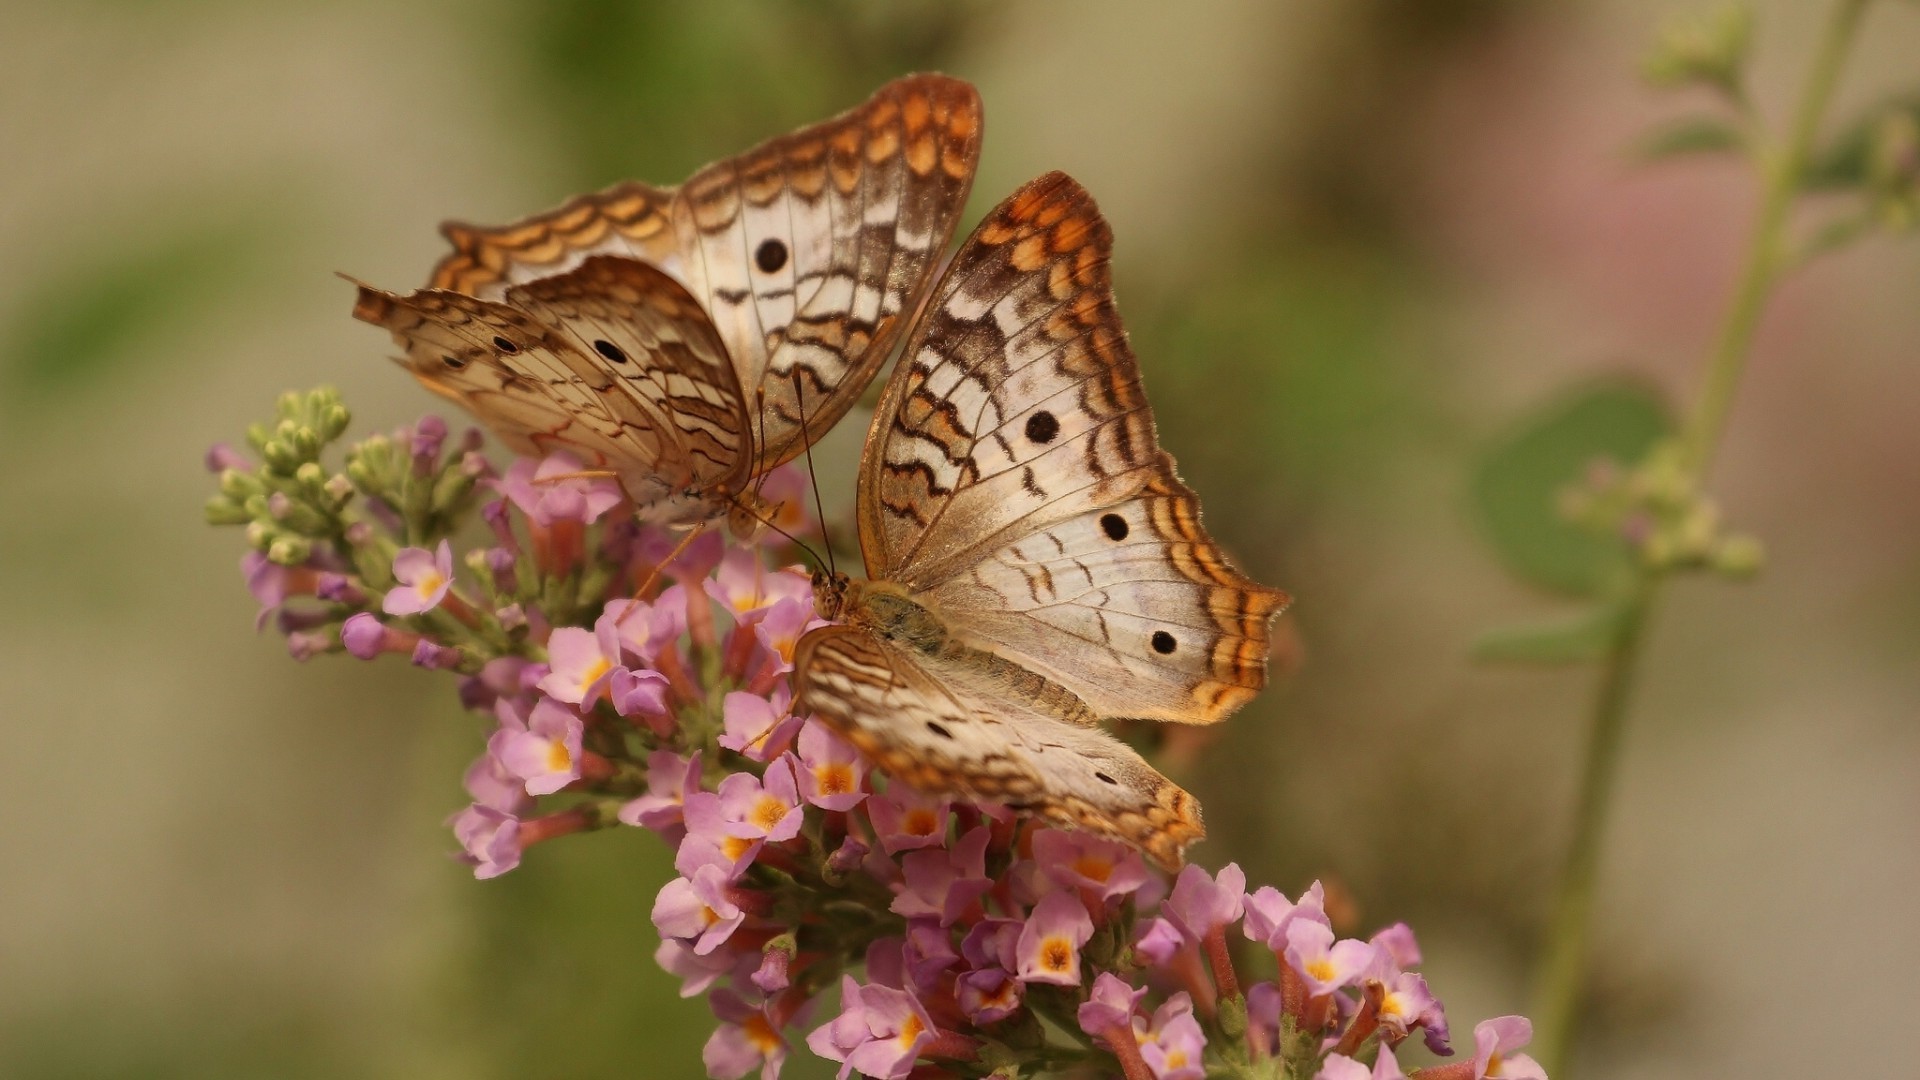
x=636 y=677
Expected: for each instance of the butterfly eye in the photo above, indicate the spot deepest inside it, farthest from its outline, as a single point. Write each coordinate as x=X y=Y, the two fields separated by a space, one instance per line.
x=453 y=362
x=1114 y=526
x=771 y=256
x=1042 y=427
x=505 y=346
x=609 y=350
x=1163 y=642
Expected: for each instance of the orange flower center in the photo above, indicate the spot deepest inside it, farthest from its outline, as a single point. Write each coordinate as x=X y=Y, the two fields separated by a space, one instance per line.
x=834 y=779
x=1056 y=954
x=920 y=823
x=767 y=812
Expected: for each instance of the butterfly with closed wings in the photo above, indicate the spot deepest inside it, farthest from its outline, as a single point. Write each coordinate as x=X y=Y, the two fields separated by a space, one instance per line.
x=1034 y=564
x=690 y=340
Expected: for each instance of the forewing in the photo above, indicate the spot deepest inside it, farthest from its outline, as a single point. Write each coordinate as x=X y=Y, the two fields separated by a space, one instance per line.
x=1013 y=476
x=942 y=729
x=808 y=251
x=811 y=250
x=647 y=338
x=525 y=368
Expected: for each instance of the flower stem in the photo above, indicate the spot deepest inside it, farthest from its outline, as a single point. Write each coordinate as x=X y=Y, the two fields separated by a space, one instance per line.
x=1562 y=967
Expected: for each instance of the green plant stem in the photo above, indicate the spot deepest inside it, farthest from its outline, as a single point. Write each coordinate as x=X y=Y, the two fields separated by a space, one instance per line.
x=1561 y=974
x=1768 y=255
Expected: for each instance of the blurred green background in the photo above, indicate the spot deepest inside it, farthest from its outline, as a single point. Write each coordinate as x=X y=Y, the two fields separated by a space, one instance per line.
x=1358 y=242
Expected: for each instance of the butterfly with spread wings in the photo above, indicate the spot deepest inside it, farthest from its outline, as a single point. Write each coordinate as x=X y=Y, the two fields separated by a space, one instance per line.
x=1034 y=564
x=690 y=340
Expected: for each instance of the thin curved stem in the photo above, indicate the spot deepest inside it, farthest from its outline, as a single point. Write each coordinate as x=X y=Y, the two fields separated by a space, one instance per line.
x=1561 y=974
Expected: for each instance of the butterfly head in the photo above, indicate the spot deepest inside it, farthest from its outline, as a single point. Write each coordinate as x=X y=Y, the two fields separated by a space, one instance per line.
x=832 y=592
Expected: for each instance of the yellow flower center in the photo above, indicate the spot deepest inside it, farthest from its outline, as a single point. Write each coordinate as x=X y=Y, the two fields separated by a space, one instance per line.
x=910 y=1029
x=1093 y=868
x=1056 y=954
x=429 y=584
x=708 y=916
x=834 y=779
x=1176 y=1059
x=919 y=823
x=761 y=1034
x=1321 y=969
x=767 y=812
x=558 y=759
x=734 y=846
x=592 y=674
x=1393 y=1005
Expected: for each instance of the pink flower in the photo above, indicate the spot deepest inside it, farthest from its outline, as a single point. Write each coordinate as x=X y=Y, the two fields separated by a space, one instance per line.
x=695 y=972
x=492 y=785
x=769 y=806
x=1110 y=1007
x=743 y=1042
x=879 y=1032
x=1397 y=943
x=1270 y=913
x=832 y=775
x=366 y=637
x=1342 y=1067
x=988 y=996
x=1172 y=1042
x=780 y=627
x=546 y=751
x=670 y=778
x=1077 y=860
x=1406 y=1003
x=1049 y=946
x=698 y=911
x=646 y=629
x=424 y=577
x=904 y=819
x=1323 y=964
x=638 y=693
x=744 y=586
x=785 y=493
x=1201 y=903
x=545 y=500
x=945 y=883
x=489 y=838
x=1493 y=1044
x=1158 y=941
x=581 y=663
x=759 y=728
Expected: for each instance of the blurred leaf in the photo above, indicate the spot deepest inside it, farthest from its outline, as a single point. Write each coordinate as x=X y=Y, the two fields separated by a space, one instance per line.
x=1574 y=640
x=1518 y=484
x=90 y=321
x=1847 y=160
x=1693 y=135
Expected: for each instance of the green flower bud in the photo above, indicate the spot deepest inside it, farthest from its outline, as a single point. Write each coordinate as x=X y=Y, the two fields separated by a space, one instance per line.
x=260 y=535
x=238 y=485
x=224 y=511
x=339 y=489
x=290 y=550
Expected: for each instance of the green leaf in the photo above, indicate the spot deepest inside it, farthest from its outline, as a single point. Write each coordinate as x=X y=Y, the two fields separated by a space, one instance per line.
x=1517 y=485
x=1693 y=135
x=1579 y=639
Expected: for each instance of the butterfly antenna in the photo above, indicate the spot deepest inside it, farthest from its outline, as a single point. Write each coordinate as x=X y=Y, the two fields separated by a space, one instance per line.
x=768 y=522
x=800 y=402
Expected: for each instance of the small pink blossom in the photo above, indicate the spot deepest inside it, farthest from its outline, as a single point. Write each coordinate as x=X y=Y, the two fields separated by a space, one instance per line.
x=1049 y=946
x=988 y=995
x=943 y=883
x=546 y=752
x=581 y=663
x=1202 y=903
x=424 y=577
x=639 y=693
x=489 y=838
x=532 y=487
x=698 y=911
x=1110 y=1007
x=670 y=778
x=1341 y=1067
x=744 y=586
x=1494 y=1043
x=695 y=972
x=1078 y=860
x=743 y=1042
x=1322 y=963
x=879 y=1033
x=1270 y=913
x=904 y=819
x=757 y=727
x=1172 y=1042
x=832 y=775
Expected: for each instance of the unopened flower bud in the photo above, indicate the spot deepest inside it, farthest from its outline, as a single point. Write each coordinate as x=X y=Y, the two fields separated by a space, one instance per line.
x=224 y=511
x=290 y=550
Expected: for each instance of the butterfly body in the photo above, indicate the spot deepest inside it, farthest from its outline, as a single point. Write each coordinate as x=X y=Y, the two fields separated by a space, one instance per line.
x=1034 y=563
x=691 y=339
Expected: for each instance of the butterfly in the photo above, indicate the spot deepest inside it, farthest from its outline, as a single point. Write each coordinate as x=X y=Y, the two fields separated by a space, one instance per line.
x=1034 y=564
x=690 y=340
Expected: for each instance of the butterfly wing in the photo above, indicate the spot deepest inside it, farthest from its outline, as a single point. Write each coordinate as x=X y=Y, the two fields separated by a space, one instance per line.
x=941 y=727
x=1014 y=482
x=808 y=251
x=612 y=360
